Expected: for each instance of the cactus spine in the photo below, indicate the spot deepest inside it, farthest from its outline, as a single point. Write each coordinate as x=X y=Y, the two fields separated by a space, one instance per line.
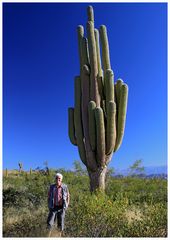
x=97 y=121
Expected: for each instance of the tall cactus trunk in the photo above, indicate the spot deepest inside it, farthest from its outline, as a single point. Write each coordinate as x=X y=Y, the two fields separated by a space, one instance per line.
x=97 y=179
x=97 y=121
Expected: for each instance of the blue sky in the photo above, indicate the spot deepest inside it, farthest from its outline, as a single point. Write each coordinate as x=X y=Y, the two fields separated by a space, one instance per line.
x=40 y=61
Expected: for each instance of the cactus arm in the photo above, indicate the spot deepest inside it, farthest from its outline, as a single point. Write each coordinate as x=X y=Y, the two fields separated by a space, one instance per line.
x=85 y=81
x=111 y=128
x=90 y=13
x=90 y=155
x=105 y=53
x=77 y=109
x=100 y=72
x=121 y=115
x=85 y=53
x=94 y=93
x=104 y=108
x=71 y=126
x=92 y=125
x=105 y=48
x=101 y=88
x=82 y=153
x=109 y=88
x=80 y=34
x=92 y=47
x=118 y=86
x=100 y=136
x=78 y=120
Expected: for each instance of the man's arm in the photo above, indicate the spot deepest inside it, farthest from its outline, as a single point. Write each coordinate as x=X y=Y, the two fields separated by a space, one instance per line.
x=68 y=198
x=49 y=192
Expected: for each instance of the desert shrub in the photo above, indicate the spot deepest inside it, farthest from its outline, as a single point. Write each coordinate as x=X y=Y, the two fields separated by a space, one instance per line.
x=95 y=216
x=131 y=207
x=18 y=199
x=138 y=191
x=152 y=224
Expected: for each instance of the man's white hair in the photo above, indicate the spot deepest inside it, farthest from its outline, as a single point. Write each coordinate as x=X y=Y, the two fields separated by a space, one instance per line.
x=59 y=175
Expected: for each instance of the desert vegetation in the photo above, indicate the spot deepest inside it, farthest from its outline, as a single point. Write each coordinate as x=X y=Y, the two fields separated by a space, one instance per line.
x=130 y=207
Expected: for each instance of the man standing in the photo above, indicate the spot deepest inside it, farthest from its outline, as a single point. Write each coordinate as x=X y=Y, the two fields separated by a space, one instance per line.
x=58 y=201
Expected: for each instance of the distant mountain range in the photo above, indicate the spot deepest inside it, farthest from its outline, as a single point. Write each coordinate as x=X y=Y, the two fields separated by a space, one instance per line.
x=150 y=170
x=156 y=170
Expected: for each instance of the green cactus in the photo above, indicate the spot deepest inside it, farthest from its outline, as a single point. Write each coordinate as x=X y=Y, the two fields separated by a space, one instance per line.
x=97 y=121
x=30 y=171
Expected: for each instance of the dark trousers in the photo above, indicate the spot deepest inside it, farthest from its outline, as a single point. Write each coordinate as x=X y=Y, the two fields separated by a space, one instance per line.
x=57 y=213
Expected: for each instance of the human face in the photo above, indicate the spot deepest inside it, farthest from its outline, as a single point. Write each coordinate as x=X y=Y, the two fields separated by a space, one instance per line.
x=58 y=181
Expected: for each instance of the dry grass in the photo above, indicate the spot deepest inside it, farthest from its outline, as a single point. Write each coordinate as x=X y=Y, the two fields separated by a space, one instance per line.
x=133 y=214
x=34 y=225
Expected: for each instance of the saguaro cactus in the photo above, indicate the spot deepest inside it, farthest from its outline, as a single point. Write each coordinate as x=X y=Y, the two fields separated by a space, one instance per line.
x=97 y=121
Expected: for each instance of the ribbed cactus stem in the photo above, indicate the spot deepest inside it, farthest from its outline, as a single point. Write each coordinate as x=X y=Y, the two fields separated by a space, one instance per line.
x=100 y=136
x=104 y=108
x=84 y=52
x=105 y=48
x=92 y=124
x=111 y=127
x=85 y=82
x=92 y=47
x=94 y=92
x=97 y=121
x=71 y=126
x=85 y=79
x=90 y=13
x=100 y=72
x=109 y=87
x=118 y=86
x=80 y=34
x=78 y=120
x=121 y=115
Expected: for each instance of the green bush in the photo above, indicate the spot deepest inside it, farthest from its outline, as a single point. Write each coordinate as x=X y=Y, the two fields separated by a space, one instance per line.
x=153 y=223
x=95 y=216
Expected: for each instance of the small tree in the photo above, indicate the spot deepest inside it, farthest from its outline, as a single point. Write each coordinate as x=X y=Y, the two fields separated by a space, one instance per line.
x=136 y=168
x=20 y=167
x=47 y=168
x=79 y=168
x=110 y=172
